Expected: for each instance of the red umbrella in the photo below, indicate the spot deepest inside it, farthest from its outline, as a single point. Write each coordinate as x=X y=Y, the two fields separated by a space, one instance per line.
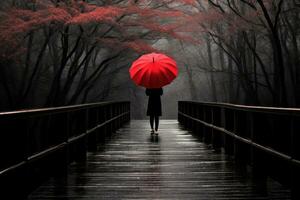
x=153 y=70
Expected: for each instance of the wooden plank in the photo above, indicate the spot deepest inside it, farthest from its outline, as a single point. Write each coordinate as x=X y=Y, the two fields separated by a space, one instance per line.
x=174 y=165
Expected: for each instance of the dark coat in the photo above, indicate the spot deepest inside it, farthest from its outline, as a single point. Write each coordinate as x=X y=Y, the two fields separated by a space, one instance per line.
x=154 y=102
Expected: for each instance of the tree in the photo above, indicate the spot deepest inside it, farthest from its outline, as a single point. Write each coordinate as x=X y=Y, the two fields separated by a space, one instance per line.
x=69 y=44
x=242 y=29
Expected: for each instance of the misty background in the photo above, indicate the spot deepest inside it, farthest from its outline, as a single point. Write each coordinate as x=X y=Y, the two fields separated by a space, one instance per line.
x=57 y=53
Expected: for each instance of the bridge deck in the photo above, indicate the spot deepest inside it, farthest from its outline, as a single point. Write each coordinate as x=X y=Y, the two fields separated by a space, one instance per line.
x=175 y=165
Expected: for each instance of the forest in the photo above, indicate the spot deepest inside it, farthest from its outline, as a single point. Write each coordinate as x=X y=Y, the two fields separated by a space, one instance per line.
x=65 y=52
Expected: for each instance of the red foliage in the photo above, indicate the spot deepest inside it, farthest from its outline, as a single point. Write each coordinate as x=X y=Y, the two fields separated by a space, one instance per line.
x=188 y=2
x=18 y=22
x=139 y=46
x=205 y=19
x=100 y=14
x=152 y=13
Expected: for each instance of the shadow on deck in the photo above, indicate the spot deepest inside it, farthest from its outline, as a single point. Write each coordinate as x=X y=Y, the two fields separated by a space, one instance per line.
x=174 y=165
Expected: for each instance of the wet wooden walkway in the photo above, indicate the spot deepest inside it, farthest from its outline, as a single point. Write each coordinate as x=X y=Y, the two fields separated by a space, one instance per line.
x=175 y=165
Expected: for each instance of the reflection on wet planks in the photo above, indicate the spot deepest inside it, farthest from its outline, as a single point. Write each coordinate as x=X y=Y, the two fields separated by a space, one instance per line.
x=174 y=165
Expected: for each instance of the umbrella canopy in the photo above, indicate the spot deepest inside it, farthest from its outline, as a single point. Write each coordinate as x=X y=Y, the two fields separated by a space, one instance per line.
x=153 y=70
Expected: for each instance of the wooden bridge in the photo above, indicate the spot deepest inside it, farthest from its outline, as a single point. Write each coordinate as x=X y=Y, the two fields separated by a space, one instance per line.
x=94 y=151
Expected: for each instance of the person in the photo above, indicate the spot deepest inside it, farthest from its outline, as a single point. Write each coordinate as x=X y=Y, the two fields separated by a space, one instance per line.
x=154 y=107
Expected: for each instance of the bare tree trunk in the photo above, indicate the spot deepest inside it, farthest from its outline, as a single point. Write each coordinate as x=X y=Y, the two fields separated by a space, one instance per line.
x=279 y=71
x=231 y=86
x=37 y=68
x=7 y=91
x=211 y=67
x=192 y=87
x=223 y=76
x=291 y=48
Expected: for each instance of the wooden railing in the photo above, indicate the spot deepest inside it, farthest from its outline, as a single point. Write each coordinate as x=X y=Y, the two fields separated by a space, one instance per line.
x=37 y=143
x=266 y=138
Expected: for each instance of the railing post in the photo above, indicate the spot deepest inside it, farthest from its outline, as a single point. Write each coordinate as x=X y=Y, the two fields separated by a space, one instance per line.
x=81 y=146
x=67 y=135
x=259 y=159
x=109 y=125
x=295 y=167
x=188 y=122
x=216 y=135
x=228 y=125
x=101 y=114
x=192 y=113
x=119 y=119
x=197 y=124
x=179 y=110
x=206 y=129
x=186 y=112
x=222 y=125
x=64 y=158
x=113 y=123
x=106 y=117
x=240 y=129
x=93 y=136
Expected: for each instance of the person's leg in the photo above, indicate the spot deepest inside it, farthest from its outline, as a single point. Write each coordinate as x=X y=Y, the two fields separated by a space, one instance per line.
x=151 y=121
x=156 y=122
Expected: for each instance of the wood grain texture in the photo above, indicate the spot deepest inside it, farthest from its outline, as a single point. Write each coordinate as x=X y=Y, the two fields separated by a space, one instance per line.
x=175 y=165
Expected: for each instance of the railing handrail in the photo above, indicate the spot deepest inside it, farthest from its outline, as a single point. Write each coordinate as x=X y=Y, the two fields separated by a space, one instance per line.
x=265 y=109
x=56 y=147
x=58 y=109
x=264 y=137
x=248 y=141
x=31 y=138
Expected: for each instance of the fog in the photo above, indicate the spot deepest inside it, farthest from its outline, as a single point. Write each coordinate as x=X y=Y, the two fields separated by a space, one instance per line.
x=179 y=89
x=58 y=53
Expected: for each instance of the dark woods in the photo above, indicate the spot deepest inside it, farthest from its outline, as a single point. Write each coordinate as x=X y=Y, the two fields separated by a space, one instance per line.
x=58 y=53
x=67 y=52
x=253 y=54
